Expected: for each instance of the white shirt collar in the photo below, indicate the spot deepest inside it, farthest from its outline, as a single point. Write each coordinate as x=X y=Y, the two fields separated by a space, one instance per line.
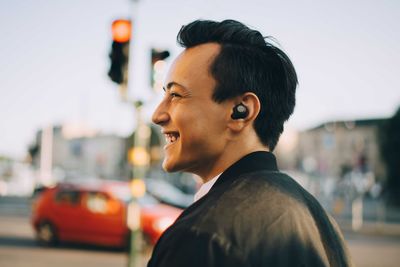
x=205 y=188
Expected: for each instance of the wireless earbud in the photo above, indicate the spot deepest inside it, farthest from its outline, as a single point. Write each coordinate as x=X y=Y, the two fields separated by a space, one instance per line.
x=239 y=112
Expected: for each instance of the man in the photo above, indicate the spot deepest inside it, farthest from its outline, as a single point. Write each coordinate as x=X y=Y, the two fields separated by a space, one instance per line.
x=227 y=96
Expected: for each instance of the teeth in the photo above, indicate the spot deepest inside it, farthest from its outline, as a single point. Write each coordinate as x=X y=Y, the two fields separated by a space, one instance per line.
x=170 y=138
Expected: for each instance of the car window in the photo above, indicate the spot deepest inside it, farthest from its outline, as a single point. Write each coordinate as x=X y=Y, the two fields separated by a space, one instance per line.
x=96 y=202
x=67 y=197
x=122 y=193
x=147 y=200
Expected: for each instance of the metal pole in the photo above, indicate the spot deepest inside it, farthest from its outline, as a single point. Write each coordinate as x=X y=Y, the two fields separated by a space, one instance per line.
x=140 y=160
x=357 y=213
x=46 y=156
x=140 y=163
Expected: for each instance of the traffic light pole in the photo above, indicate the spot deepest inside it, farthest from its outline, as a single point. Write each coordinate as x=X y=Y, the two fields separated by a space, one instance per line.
x=140 y=162
x=139 y=155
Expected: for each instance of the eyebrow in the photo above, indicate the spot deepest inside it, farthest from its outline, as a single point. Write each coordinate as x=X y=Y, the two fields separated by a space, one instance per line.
x=172 y=84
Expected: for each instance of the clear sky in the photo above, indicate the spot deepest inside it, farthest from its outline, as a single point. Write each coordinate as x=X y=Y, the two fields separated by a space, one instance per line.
x=54 y=58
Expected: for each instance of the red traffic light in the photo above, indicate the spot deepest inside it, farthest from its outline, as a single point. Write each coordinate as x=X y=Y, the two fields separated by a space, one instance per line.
x=121 y=30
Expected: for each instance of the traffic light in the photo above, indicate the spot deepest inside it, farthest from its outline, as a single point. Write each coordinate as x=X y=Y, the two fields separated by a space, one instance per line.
x=158 y=67
x=119 y=55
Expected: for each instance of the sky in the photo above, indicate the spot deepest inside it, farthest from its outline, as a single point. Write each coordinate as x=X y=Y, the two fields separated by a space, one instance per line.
x=54 y=59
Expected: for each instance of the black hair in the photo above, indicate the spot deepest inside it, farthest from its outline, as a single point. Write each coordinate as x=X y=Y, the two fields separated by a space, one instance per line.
x=248 y=63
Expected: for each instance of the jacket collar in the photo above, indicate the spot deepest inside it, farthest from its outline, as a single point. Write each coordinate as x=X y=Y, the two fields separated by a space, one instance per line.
x=255 y=161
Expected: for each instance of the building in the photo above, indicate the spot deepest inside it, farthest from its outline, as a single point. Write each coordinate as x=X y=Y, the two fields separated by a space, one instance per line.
x=85 y=155
x=335 y=148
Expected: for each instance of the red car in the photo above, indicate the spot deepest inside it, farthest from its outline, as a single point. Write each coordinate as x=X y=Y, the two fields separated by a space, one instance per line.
x=95 y=213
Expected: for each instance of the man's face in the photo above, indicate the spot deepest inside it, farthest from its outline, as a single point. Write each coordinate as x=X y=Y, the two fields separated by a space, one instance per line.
x=193 y=124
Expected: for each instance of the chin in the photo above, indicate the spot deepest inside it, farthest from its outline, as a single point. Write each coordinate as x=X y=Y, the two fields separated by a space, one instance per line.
x=169 y=166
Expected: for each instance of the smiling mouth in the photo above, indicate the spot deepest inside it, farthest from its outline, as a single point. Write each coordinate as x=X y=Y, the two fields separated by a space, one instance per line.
x=171 y=137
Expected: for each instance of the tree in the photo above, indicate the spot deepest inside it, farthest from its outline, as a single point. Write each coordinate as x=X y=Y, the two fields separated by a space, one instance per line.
x=389 y=137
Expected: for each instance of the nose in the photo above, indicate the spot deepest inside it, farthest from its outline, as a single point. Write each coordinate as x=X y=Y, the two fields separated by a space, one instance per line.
x=160 y=115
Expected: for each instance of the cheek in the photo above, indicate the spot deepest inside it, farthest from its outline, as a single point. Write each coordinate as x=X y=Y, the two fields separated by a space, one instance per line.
x=193 y=134
x=200 y=127
x=201 y=136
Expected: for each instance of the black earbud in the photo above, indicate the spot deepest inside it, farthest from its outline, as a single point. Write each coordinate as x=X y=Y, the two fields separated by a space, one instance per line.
x=240 y=111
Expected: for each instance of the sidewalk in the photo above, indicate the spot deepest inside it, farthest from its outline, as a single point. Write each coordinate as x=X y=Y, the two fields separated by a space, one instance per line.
x=377 y=217
x=371 y=228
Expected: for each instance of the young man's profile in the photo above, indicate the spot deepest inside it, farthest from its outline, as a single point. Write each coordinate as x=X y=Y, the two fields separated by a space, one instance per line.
x=227 y=96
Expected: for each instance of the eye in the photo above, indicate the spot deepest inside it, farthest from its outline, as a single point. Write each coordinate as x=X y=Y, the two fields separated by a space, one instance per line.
x=174 y=95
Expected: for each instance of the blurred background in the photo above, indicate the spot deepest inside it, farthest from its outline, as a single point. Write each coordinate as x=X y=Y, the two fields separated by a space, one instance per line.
x=79 y=81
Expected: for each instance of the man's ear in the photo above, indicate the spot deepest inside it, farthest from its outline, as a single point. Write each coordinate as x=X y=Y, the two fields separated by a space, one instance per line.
x=252 y=105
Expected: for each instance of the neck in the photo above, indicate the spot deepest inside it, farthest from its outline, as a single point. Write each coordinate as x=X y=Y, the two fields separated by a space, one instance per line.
x=233 y=152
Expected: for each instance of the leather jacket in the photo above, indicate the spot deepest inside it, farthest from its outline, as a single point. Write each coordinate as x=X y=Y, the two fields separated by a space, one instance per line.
x=253 y=215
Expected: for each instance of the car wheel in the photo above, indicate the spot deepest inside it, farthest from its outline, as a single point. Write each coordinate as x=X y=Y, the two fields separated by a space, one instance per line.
x=127 y=243
x=46 y=234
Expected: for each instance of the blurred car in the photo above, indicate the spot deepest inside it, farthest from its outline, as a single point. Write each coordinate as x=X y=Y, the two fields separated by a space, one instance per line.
x=167 y=193
x=95 y=213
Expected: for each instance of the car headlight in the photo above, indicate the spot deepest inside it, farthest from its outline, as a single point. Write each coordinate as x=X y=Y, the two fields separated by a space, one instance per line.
x=163 y=223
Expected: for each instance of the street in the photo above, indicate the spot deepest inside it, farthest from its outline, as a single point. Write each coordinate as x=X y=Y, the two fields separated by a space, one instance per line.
x=18 y=247
x=377 y=251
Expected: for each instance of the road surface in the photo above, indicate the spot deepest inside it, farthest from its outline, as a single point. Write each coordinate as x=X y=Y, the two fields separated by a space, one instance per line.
x=19 y=249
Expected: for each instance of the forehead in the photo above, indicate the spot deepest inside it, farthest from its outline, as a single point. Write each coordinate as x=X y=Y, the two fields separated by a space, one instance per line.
x=192 y=67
